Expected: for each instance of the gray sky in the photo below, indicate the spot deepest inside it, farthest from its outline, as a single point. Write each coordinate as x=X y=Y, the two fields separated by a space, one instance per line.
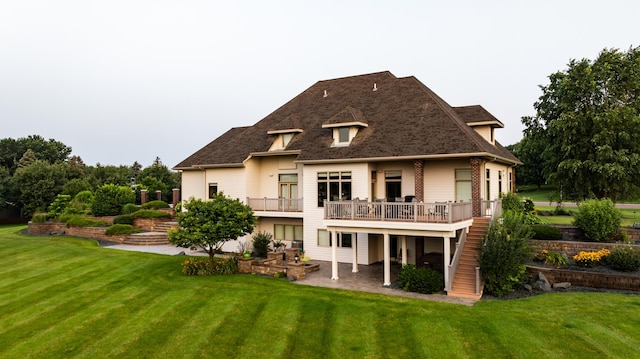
x=121 y=81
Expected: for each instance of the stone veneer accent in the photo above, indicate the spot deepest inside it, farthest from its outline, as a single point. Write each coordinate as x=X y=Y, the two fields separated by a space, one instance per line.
x=476 y=199
x=274 y=264
x=418 y=169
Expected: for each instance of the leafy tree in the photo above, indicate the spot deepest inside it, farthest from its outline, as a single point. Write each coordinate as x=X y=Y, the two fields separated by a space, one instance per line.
x=27 y=159
x=504 y=253
x=109 y=174
x=586 y=130
x=5 y=186
x=209 y=224
x=109 y=199
x=38 y=184
x=50 y=151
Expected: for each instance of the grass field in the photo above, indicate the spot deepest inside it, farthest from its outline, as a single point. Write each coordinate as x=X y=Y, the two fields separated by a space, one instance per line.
x=66 y=297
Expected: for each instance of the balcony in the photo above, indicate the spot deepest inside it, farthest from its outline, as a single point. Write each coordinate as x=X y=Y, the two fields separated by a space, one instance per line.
x=411 y=212
x=272 y=207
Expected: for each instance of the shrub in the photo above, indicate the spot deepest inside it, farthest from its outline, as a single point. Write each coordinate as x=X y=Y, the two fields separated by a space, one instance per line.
x=151 y=213
x=123 y=219
x=129 y=208
x=157 y=204
x=511 y=202
x=58 y=205
x=504 y=253
x=598 y=219
x=420 y=280
x=546 y=232
x=109 y=199
x=40 y=218
x=80 y=204
x=203 y=266
x=591 y=258
x=81 y=221
x=120 y=229
x=554 y=258
x=261 y=242
x=624 y=258
x=529 y=206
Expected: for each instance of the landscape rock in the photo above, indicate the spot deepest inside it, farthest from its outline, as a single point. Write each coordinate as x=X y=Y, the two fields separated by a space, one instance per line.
x=528 y=287
x=561 y=285
x=181 y=254
x=541 y=283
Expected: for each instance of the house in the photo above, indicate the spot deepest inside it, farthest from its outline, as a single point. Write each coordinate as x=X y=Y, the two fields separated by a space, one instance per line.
x=362 y=169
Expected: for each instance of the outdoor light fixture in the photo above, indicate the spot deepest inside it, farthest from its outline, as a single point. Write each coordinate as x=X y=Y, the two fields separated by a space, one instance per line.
x=296 y=258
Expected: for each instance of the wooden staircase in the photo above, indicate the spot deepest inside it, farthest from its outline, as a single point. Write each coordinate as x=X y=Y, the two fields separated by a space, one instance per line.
x=464 y=283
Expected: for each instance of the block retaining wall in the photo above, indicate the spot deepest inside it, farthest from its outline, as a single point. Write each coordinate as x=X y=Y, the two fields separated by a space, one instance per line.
x=61 y=228
x=589 y=279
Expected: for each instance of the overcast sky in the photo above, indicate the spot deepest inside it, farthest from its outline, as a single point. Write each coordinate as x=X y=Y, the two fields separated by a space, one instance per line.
x=124 y=81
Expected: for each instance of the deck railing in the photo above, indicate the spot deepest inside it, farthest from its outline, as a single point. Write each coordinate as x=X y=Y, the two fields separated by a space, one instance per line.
x=275 y=204
x=439 y=212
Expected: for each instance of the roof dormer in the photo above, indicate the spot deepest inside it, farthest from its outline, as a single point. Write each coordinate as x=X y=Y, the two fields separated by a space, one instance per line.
x=483 y=122
x=345 y=125
x=283 y=138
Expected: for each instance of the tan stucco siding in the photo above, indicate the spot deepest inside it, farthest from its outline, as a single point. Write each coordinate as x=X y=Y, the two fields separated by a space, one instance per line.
x=263 y=175
x=494 y=170
x=193 y=185
x=485 y=132
x=439 y=180
x=314 y=215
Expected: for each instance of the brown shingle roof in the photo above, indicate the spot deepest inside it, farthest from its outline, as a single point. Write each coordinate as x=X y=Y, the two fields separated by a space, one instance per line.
x=404 y=118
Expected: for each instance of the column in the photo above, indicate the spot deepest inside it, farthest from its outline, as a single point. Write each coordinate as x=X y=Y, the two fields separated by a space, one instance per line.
x=176 y=197
x=447 y=260
x=418 y=169
x=159 y=195
x=476 y=179
x=334 y=255
x=404 y=250
x=143 y=196
x=387 y=260
x=354 y=244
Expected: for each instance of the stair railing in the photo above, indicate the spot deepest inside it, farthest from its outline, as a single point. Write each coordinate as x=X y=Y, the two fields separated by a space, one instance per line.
x=496 y=212
x=453 y=267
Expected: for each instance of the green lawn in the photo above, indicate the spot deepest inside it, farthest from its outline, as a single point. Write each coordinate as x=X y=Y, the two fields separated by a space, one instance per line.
x=65 y=297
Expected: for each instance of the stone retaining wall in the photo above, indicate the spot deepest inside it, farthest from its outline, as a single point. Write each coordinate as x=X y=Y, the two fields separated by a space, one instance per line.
x=571 y=248
x=573 y=233
x=273 y=264
x=83 y=232
x=589 y=279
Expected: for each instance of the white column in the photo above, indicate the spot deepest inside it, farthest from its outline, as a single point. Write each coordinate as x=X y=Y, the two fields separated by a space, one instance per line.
x=334 y=255
x=447 y=260
x=387 y=260
x=404 y=250
x=354 y=244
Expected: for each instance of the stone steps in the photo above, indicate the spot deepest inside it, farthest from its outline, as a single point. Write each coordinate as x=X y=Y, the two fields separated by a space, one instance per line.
x=147 y=239
x=165 y=226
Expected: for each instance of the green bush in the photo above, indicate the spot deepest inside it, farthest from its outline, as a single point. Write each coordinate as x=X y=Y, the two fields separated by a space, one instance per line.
x=151 y=213
x=121 y=229
x=157 y=204
x=546 y=232
x=420 y=280
x=109 y=199
x=203 y=266
x=529 y=206
x=40 y=218
x=58 y=205
x=80 y=204
x=123 y=219
x=129 y=208
x=623 y=258
x=511 y=202
x=598 y=219
x=81 y=221
x=261 y=242
x=555 y=259
x=504 y=253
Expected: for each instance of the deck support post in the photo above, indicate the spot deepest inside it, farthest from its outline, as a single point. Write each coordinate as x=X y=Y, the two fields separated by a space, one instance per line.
x=387 y=260
x=354 y=245
x=334 y=255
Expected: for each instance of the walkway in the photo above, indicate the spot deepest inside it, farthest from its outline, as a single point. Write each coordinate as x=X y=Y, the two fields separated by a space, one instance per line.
x=368 y=279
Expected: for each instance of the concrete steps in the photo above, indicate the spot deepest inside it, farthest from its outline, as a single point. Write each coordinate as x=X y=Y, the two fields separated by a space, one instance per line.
x=464 y=283
x=165 y=226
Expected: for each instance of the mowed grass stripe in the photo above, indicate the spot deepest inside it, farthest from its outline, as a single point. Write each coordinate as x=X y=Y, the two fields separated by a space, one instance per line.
x=314 y=326
x=360 y=342
x=268 y=335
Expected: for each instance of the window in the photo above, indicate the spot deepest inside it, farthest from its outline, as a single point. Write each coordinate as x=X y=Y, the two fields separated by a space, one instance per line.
x=488 y=186
x=499 y=182
x=213 y=189
x=287 y=232
x=286 y=138
x=463 y=184
x=324 y=239
x=334 y=186
x=393 y=184
x=510 y=182
x=343 y=134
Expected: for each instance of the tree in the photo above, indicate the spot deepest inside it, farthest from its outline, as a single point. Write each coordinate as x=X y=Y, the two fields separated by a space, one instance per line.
x=38 y=184
x=586 y=130
x=209 y=224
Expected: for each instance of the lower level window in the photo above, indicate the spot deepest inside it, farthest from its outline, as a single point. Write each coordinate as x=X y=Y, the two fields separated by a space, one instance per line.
x=325 y=240
x=287 y=232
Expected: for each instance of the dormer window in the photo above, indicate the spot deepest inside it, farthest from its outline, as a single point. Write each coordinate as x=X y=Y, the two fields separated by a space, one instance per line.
x=343 y=135
x=284 y=138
